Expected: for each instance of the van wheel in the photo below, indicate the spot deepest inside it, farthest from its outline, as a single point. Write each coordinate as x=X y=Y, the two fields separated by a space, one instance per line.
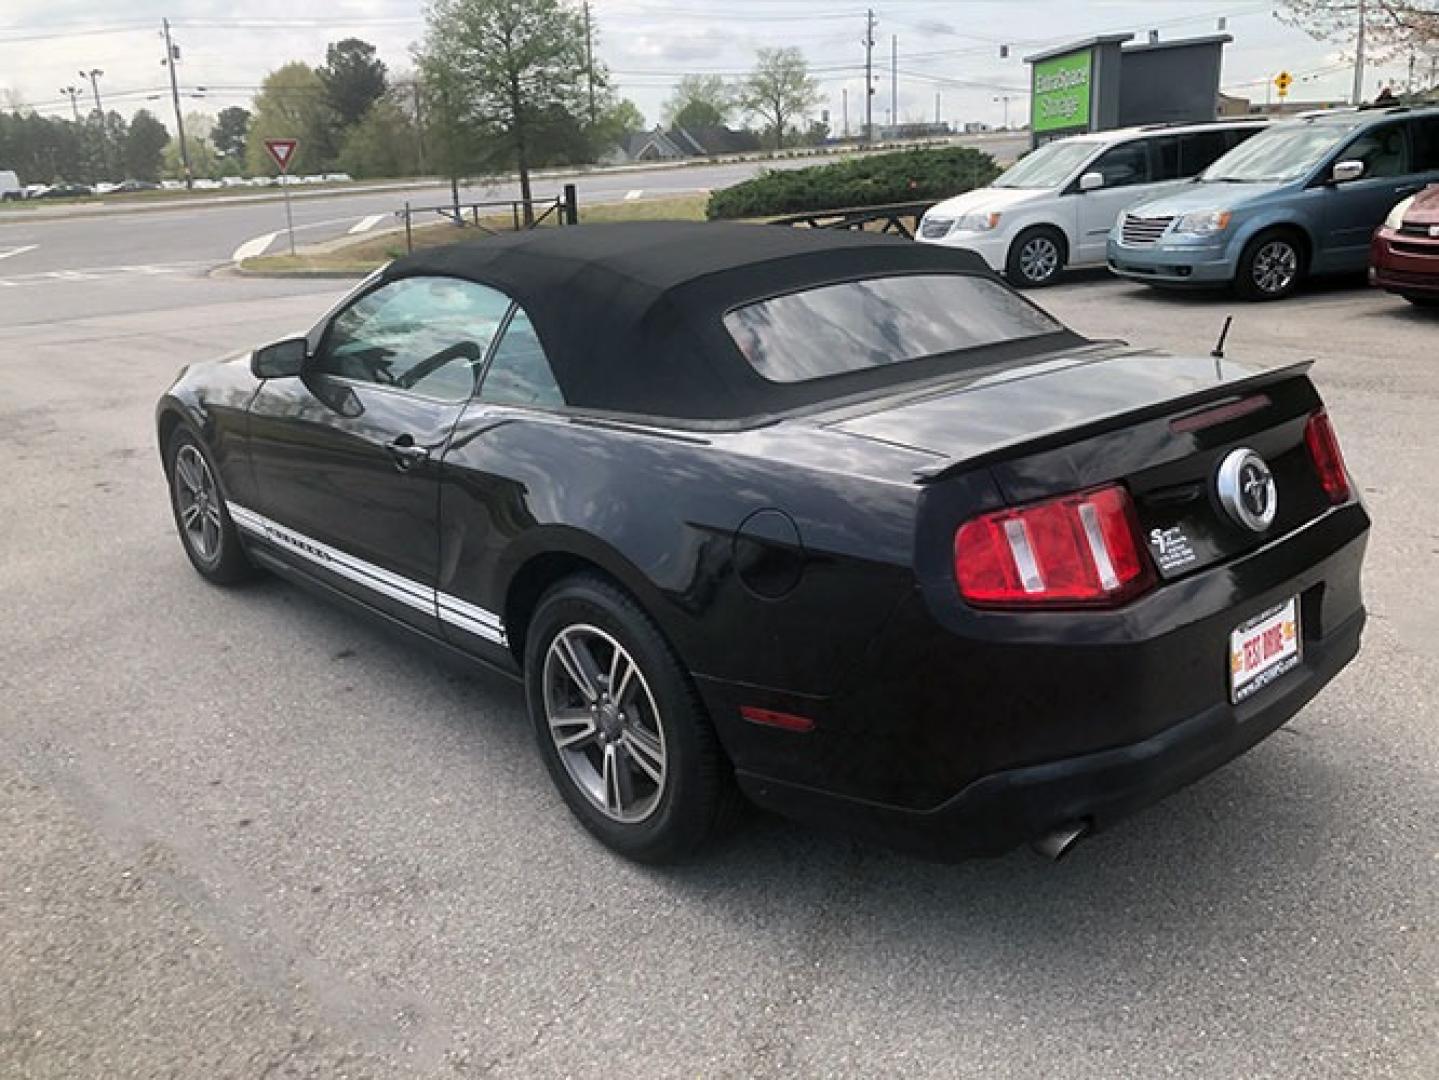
x=1036 y=257
x=1271 y=267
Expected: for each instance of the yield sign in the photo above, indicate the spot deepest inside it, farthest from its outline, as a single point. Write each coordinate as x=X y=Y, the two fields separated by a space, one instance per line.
x=283 y=151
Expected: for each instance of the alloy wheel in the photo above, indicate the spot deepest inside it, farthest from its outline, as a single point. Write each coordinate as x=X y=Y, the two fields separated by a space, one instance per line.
x=1276 y=265
x=1039 y=259
x=604 y=723
x=198 y=502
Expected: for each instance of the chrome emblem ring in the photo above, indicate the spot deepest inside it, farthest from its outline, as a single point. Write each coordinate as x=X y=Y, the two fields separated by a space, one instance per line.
x=1246 y=489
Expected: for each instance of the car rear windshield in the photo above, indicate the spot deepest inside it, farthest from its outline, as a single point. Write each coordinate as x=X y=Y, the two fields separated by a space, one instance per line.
x=871 y=323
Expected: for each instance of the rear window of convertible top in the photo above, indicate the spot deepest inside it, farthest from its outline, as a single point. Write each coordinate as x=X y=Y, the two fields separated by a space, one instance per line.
x=855 y=325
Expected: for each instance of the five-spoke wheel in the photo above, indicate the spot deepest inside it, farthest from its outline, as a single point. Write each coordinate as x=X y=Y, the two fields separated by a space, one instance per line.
x=206 y=531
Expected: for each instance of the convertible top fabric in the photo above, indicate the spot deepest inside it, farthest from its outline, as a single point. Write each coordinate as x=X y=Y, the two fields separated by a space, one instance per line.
x=630 y=315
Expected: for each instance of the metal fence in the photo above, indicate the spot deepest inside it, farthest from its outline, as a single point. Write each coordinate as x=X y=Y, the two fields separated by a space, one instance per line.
x=898 y=219
x=561 y=209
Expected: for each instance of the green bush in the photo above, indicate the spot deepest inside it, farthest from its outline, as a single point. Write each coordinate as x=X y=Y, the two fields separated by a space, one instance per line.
x=862 y=180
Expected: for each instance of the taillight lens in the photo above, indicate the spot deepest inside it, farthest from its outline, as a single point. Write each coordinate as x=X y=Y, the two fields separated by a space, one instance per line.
x=1327 y=457
x=1079 y=550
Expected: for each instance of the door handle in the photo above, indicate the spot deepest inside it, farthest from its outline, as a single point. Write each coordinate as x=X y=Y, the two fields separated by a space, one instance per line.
x=405 y=453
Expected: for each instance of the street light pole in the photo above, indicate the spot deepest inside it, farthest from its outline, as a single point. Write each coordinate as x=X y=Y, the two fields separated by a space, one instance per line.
x=94 y=76
x=1358 y=98
x=73 y=93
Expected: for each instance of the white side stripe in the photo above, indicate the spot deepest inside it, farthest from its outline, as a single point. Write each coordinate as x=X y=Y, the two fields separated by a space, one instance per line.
x=450 y=609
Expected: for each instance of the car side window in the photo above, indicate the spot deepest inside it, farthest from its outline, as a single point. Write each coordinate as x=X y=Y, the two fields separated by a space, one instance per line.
x=1425 y=132
x=519 y=372
x=428 y=335
x=1124 y=165
x=1383 y=149
x=1168 y=158
x=1200 y=150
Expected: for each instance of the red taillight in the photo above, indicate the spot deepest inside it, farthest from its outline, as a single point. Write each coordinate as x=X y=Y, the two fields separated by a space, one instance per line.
x=1079 y=550
x=1327 y=457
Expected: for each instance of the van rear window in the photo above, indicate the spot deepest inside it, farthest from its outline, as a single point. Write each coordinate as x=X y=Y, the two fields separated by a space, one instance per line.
x=855 y=325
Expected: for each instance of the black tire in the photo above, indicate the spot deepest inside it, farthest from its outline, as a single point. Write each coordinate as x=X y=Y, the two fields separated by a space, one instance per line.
x=697 y=797
x=1422 y=301
x=221 y=561
x=1271 y=266
x=1036 y=258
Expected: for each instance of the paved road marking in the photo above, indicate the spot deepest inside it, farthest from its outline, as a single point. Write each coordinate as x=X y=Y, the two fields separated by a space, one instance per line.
x=6 y=253
x=365 y=224
x=102 y=273
x=634 y=194
x=250 y=248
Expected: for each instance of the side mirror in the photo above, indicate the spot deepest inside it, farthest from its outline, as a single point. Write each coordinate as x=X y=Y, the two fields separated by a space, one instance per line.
x=281 y=359
x=1091 y=181
x=1345 y=171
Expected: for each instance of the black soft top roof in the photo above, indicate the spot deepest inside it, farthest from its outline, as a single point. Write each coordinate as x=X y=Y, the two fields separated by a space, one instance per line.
x=630 y=315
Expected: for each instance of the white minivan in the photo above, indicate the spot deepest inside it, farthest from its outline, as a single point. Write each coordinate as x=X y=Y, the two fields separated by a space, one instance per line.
x=1054 y=207
x=10 y=186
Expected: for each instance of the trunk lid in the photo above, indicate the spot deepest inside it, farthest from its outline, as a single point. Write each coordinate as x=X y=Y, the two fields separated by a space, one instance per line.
x=1159 y=424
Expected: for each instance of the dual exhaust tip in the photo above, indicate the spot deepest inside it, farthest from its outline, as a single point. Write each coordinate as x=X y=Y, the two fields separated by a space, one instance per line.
x=1059 y=842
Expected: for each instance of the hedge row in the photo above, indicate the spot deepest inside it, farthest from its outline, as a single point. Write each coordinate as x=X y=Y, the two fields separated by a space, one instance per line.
x=862 y=180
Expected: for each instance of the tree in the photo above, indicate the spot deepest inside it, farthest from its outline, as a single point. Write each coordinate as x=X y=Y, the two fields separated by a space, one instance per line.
x=144 y=151
x=779 y=89
x=700 y=101
x=616 y=120
x=291 y=105
x=354 y=79
x=1392 y=28
x=503 y=70
x=383 y=143
x=231 y=127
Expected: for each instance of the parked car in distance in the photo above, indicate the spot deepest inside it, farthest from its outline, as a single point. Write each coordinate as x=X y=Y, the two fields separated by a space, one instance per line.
x=1404 y=254
x=1054 y=207
x=835 y=518
x=34 y=191
x=138 y=185
x=172 y=185
x=338 y=178
x=10 y=187
x=65 y=190
x=1302 y=198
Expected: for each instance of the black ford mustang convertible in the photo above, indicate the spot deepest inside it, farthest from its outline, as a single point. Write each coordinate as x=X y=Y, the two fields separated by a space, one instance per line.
x=836 y=521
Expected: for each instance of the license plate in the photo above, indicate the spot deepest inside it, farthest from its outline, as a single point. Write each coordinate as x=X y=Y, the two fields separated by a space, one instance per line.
x=1263 y=649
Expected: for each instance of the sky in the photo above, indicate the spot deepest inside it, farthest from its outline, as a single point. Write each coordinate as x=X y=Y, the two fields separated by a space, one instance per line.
x=948 y=50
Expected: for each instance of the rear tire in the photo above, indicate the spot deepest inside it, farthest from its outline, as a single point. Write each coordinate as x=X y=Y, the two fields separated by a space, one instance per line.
x=1036 y=257
x=619 y=725
x=1271 y=266
x=1422 y=301
x=207 y=533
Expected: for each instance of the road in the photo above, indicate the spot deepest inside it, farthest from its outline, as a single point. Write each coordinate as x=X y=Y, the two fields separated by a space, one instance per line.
x=186 y=238
x=244 y=834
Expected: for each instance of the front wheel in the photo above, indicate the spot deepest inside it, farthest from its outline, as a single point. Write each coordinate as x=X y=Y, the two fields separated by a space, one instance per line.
x=206 y=531
x=1035 y=258
x=1270 y=267
x=620 y=727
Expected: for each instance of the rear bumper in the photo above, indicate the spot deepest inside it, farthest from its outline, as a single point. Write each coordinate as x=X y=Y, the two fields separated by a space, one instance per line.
x=1192 y=265
x=1404 y=264
x=1005 y=809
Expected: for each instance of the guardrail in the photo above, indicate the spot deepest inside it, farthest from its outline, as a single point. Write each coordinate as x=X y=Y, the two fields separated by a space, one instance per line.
x=562 y=208
x=898 y=219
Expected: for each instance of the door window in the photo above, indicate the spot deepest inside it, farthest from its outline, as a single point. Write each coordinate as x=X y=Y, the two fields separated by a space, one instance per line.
x=519 y=373
x=1383 y=150
x=1200 y=150
x=1167 y=163
x=428 y=335
x=1426 y=143
x=1124 y=165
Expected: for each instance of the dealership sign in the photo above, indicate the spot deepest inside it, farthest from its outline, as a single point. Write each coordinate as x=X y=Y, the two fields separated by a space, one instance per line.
x=1062 y=92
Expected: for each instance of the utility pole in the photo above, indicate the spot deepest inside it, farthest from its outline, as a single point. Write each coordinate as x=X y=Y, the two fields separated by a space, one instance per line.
x=419 y=126
x=73 y=93
x=844 y=100
x=894 y=79
x=172 y=57
x=590 y=61
x=94 y=76
x=1358 y=98
x=937 y=120
x=869 y=76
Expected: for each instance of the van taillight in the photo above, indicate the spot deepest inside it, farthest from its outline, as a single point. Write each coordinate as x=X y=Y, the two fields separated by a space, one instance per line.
x=1327 y=457
x=1079 y=550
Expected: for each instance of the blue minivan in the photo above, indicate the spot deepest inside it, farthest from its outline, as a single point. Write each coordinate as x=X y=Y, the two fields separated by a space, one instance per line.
x=1301 y=198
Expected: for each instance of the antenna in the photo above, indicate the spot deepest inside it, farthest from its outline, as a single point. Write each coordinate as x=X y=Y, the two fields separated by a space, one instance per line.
x=1218 y=351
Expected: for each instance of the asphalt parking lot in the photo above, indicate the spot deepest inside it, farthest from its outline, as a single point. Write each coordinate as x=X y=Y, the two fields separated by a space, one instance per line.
x=244 y=834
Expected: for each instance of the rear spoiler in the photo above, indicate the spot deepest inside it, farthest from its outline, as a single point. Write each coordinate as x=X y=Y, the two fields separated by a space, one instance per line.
x=1049 y=439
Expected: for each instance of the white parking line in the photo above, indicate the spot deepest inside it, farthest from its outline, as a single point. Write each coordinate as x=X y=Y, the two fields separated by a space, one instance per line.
x=6 y=253
x=365 y=224
x=250 y=248
x=634 y=194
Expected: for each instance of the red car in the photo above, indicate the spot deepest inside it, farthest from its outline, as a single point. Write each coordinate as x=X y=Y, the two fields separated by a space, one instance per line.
x=1404 y=254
